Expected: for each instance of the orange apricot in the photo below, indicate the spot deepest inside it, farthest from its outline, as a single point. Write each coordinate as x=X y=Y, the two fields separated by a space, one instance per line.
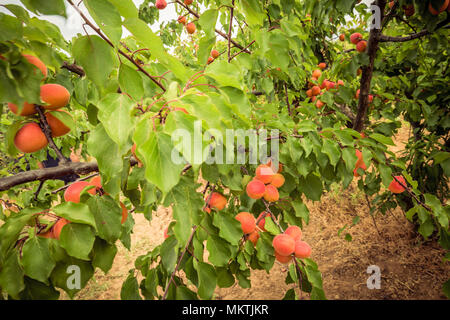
x=57 y=126
x=284 y=244
x=278 y=180
x=190 y=27
x=124 y=213
x=54 y=95
x=217 y=201
x=255 y=189
x=294 y=231
x=30 y=138
x=302 y=249
x=253 y=237
x=37 y=62
x=361 y=46
x=355 y=37
x=215 y=54
x=262 y=221
x=57 y=227
x=317 y=73
x=27 y=109
x=396 y=187
x=248 y=222
x=441 y=9
x=264 y=173
x=271 y=194
x=182 y=20
x=322 y=65
x=283 y=259
x=73 y=192
x=315 y=90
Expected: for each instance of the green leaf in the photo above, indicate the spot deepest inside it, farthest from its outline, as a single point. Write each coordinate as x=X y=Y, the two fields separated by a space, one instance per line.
x=108 y=215
x=36 y=260
x=225 y=278
x=75 y=212
x=65 y=275
x=219 y=252
x=9 y=232
x=301 y=210
x=96 y=57
x=155 y=150
x=103 y=254
x=126 y=8
x=35 y=290
x=183 y=293
x=107 y=18
x=130 y=288
x=131 y=82
x=382 y=139
x=207 y=280
x=11 y=275
x=208 y=20
x=312 y=187
x=270 y=226
x=226 y=74
x=169 y=253
x=229 y=228
x=149 y=39
x=115 y=113
x=78 y=240
x=331 y=149
x=11 y=28
x=253 y=12
x=54 y=7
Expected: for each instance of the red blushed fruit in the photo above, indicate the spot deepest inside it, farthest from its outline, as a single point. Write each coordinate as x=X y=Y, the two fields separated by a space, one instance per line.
x=317 y=73
x=309 y=93
x=27 y=109
x=361 y=46
x=161 y=4
x=302 y=249
x=210 y=60
x=284 y=244
x=217 y=201
x=294 y=231
x=166 y=233
x=315 y=90
x=30 y=138
x=215 y=54
x=253 y=237
x=359 y=163
x=48 y=234
x=124 y=213
x=57 y=127
x=73 y=192
x=342 y=37
x=355 y=37
x=396 y=187
x=271 y=194
x=283 y=259
x=441 y=9
x=248 y=222
x=319 y=104
x=54 y=95
x=264 y=173
x=188 y=2
x=190 y=27
x=322 y=65
x=37 y=62
x=255 y=189
x=357 y=93
x=262 y=222
x=182 y=20
x=278 y=180
x=57 y=227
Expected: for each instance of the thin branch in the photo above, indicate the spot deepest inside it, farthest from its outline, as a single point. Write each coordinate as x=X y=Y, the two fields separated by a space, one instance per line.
x=48 y=134
x=194 y=228
x=287 y=99
x=68 y=185
x=73 y=68
x=230 y=28
x=243 y=50
x=99 y=32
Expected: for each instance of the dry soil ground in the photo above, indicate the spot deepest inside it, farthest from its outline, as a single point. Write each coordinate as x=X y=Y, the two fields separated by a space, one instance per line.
x=410 y=268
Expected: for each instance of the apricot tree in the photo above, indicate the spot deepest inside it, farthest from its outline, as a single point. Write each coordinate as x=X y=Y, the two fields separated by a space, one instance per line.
x=306 y=80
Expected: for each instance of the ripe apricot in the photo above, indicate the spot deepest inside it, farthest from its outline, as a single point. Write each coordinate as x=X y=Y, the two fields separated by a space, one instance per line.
x=315 y=90
x=248 y=222
x=302 y=249
x=283 y=259
x=359 y=163
x=124 y=213
x=309 y=93
x=160 y=4
x=190 y=27
x=255 y=189
x=355 y=37
x=322 y=65
x=396 y=187
x=57 y=126
x=317 y=73
x=215 y=54
x=57 y=227
x=182 y=20
x=217 y=201
x=361 y=46
x=30 y=138
x=73 y=192
x=210 y=60
x=188 y=2
x=37 y=62
x=27 y=109
x=264 y=173
x=271 y=194
x=294 y=231
x=96 y=181
x=319 y=104
x=54 y=95
x=342 y=37
x=283 y=244
x=253 y=237
x=277 y=180
x=166 y=233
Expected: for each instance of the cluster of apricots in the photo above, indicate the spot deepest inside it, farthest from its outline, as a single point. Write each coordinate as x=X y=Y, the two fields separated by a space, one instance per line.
x=190 y=27
x=30 y=138
x=409 y=9
x=214 y=55
x=316 y=89
x=289 y=244
x=357 y=39
x=72 y=194
x=265 y=183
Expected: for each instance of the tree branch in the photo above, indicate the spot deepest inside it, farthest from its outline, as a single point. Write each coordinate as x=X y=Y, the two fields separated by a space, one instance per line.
x=384 y=38
x=73 y=68
x=230 y=28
